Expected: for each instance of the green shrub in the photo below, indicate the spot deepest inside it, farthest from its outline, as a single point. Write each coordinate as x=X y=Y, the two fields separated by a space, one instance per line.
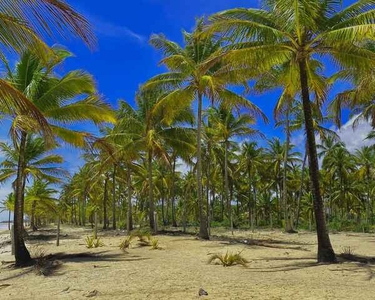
x=92 y=242
x=228 y=259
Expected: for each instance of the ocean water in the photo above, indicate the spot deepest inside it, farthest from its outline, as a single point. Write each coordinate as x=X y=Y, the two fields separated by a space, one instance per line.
x=3 y=226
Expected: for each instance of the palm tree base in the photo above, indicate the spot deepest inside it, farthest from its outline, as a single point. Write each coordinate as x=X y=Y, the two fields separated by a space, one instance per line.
x=326 y=256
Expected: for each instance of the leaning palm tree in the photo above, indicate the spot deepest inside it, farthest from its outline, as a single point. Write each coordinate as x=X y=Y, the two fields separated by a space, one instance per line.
x=295 y=32
x=24 y=25
x=195 y=73
x=62 y=101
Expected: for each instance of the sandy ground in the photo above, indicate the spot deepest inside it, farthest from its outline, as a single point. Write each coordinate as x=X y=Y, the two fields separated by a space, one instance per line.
x=281 y=266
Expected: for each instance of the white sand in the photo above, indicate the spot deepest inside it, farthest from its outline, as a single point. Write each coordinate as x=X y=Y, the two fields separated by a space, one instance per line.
x=278 y=270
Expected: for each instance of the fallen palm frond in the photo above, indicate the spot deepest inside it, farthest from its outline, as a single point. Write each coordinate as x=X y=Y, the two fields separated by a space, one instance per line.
x=228 y=259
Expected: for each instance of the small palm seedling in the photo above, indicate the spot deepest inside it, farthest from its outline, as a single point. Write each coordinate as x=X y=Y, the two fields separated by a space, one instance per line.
x=155 y=245
x=228 y=259
x=43 y=265
x=92 y=242
x=144 y=237
x=125 y=244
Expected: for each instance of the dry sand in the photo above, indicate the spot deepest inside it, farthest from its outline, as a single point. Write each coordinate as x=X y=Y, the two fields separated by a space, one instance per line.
x=281 y=266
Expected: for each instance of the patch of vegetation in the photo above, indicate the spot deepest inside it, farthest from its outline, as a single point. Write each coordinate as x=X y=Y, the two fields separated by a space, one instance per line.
x=155 y=245
x=125 y=244
x=228 y=259
x=144 y=237
x=347 y=253
x=92 y=242
x=43 y=266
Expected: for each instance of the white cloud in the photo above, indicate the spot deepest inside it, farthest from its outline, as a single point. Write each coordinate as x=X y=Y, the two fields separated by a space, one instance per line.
x=4 y=191
x=109 y=29
x=355 y=138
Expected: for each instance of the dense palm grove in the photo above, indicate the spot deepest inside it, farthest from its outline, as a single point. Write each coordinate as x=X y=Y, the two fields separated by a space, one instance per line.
x=189 y=154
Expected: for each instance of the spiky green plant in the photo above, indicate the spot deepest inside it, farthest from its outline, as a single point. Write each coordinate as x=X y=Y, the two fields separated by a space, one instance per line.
x=155 y=245
x=125 y=244
x=92 y=242
x=228 y=259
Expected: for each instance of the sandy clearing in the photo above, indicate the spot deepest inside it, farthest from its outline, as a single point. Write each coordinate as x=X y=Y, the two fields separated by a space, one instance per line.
x=283 y=268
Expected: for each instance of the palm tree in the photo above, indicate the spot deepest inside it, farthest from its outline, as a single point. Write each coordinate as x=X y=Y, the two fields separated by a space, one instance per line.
x=55 y=98
x=195 y=73
x=40 y=201
x=252 y=158
x=293 y=32
x=24 y=24
x=225 y=127
x=365 y=159
x=8 y=204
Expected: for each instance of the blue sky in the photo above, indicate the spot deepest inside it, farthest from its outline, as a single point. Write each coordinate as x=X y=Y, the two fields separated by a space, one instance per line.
x=124 y=59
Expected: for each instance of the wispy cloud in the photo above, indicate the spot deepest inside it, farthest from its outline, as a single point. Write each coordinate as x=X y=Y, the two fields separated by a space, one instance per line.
x=112 y=30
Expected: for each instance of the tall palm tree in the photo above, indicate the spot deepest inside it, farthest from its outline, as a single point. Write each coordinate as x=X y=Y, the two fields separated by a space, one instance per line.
x=226 y=126
x=195 y=73
x=56 y=99
x=294 y=32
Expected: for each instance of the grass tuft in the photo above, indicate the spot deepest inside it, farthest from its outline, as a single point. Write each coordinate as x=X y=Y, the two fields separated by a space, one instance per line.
x=91 y=242
x=228 y=259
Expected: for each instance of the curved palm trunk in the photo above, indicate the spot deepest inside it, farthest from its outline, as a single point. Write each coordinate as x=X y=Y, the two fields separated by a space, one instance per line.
x=203 y=230
x=151 y=193
x=325 y=250
x=129 y=219
x=114 y=198
x=22 y=255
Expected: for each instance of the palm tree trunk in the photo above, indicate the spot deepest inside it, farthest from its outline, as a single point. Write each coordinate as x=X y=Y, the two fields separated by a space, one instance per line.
x=203 y=230
x=325 y=250
x=151 y=193
x=22 y=255
x=114 y=198
x=129 y=219
x=174 y=223
x=105 y=201
x=287 y=214
x=226 y=182
x=9 y=220
x=301 y=190
x=32 y=224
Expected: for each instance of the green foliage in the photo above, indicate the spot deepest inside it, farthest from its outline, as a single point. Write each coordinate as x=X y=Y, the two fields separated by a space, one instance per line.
x=155 y=245
x=125 y=244
x=228 y=259
x=143 y=235
x=91 y=242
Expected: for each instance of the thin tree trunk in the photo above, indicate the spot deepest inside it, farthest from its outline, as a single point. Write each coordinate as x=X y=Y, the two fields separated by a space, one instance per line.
x=287 y=214
x=203 y=230
x=301 y=190
x=9 y=220
x=96 y=224
x=226 y=182
x=32 y=222
x=114 y=198
x=105 y=201
x=325 y=250
x=129 y=219
x=174 y=223
x=151 y=193
x=22 y=255
x=58 y=231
